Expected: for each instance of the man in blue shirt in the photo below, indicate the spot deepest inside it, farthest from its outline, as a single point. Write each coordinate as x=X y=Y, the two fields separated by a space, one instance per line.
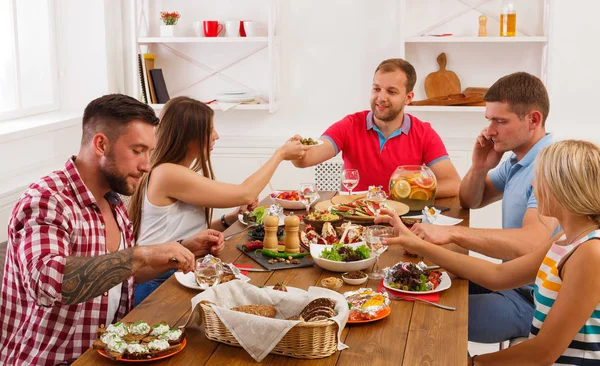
x=517 y=106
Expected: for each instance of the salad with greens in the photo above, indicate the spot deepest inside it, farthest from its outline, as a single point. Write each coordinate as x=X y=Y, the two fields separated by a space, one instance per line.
x=343 y=253
x=259 y=214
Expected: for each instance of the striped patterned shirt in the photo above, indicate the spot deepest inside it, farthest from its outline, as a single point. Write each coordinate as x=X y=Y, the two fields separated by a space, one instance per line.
x=585 y=347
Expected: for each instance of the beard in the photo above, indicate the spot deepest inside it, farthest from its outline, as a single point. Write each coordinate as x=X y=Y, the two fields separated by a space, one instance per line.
x=115 y=179
x=388 y=116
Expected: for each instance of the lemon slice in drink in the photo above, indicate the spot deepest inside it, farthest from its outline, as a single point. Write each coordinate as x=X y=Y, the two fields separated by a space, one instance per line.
x=402 y=188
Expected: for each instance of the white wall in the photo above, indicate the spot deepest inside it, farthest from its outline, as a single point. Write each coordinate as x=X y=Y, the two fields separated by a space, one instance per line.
x=329 y=52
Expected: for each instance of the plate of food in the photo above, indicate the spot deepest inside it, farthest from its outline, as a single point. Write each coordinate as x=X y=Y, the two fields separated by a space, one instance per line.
x=355 y=208
x=139 y=342
x=367 y=305
x=256 y=216
x=310 y=142
x=290 y=200
x=189 y=279
x=413 y=278
x=342 y=258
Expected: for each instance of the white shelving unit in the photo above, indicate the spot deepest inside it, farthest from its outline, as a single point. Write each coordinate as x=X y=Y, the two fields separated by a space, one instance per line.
x=197 y=72
x=478 y=61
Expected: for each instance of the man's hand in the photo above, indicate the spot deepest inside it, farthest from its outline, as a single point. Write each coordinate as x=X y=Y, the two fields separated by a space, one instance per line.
x=205 y=242
x=435 y=234
x=292 y=149
x=404 y=237
x=161 y=257
x=484 y=155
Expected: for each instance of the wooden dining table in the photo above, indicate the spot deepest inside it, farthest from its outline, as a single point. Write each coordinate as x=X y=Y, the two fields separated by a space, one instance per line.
x=414 y=333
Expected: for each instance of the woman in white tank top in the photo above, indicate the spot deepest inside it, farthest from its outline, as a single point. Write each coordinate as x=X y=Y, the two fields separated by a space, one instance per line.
x=175 y=200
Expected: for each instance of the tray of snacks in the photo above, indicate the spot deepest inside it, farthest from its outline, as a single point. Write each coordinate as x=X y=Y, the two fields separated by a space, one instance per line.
x=354 y=207
x=413 y=278
x=367 y=305
x=271 y=260
x=139 y=341
x=296 y=323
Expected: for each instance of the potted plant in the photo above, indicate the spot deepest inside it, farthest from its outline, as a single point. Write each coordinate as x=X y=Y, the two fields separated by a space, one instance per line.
x=170 y=20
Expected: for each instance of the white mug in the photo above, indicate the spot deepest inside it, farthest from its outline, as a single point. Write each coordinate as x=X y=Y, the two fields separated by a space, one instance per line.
x=199 y=29
x=232 y=28
x=249 y=28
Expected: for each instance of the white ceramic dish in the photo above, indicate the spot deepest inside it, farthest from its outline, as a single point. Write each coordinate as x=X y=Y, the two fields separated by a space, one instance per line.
x=445 y=284
x=287 y=204
x=318 y=142
x=189 y=280
x=354 y=281
x=333 y=266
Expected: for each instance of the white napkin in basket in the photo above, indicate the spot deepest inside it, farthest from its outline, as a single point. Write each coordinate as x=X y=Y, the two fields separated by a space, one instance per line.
x=259 y=335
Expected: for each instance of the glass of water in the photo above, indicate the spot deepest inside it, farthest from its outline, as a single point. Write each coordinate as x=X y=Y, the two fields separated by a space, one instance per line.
x=374 y=235
x=350 y=179
x=208 y=272
x=308 y=194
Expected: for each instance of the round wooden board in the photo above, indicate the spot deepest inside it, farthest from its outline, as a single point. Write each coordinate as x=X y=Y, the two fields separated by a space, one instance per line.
x=400 y=208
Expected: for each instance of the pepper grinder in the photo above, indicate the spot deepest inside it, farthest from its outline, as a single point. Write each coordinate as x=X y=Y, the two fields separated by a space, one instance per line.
x=270 y=241
x=292 y=241
x=482 y=26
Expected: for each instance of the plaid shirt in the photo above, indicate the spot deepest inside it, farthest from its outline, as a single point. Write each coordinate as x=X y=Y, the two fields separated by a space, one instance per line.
x=56 y=217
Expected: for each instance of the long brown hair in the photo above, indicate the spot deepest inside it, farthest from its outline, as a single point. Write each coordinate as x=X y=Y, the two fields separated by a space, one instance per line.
x=182 y=120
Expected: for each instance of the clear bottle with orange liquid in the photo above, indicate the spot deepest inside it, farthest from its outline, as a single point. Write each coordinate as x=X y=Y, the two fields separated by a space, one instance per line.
x=413 y=185
x=508 y=19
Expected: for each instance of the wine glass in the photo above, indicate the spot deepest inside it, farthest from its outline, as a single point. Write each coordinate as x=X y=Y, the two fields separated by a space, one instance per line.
x=308 y=194
x=350 y=179
x=374 y=235
x=376 y=198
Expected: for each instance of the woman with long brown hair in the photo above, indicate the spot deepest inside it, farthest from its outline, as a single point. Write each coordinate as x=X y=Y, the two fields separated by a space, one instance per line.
x=177 y=196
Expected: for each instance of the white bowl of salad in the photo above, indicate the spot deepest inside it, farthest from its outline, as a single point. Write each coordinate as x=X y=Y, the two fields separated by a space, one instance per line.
x=342 y=258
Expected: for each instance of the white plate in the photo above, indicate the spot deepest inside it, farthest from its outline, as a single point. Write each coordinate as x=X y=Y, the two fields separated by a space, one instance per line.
x=281 y=219
x=441 y=220
x=235 y=92
x=445 y=284
x=235 y=98
x=334 y=266
x=318 y=142
x=188 y=280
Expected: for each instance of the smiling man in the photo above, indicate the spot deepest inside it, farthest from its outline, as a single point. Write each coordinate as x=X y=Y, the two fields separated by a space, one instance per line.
x=376 y=142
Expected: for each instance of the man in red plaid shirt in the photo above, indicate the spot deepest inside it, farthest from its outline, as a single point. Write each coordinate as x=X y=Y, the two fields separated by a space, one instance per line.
x=71 y=259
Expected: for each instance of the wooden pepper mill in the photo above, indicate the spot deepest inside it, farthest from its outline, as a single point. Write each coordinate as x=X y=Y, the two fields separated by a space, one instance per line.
x=292 y=240
x=482 y=26
x=270 y=241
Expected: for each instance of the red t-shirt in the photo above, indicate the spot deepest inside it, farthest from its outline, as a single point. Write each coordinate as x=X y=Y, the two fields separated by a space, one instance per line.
x=415 y=143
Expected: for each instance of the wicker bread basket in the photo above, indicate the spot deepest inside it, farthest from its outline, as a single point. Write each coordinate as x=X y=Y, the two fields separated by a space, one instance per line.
x=305 y=340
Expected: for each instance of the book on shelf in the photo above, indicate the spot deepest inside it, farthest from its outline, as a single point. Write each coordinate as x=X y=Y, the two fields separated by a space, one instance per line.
x=149 y=60
x=160 y=87
x=142 y=74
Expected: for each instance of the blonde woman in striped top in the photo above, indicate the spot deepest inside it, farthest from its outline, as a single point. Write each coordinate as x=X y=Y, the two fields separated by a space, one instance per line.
x=566 y=324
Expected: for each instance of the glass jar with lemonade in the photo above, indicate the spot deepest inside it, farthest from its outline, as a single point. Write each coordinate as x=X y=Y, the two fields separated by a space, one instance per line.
x=413 y=185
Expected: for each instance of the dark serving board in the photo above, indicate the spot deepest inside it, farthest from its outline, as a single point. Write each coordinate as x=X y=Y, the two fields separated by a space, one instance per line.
x=264 y=261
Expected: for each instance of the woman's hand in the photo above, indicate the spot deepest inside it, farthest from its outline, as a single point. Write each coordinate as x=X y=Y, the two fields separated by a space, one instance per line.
x=292 y=150
x=205 y=242
x=404 y=236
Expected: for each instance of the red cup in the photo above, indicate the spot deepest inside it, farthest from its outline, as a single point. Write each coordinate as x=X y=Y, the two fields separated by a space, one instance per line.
x=212 y=28
x=242 y=30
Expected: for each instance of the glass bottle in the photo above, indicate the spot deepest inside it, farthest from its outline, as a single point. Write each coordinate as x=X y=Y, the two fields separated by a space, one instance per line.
x=508 y=19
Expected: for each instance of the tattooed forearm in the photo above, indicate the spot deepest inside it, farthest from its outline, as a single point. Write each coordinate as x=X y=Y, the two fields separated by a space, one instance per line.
x=88 y=277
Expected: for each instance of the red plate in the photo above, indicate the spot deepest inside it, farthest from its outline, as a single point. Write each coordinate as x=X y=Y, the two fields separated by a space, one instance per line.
x=149 y=359
x=380 y=315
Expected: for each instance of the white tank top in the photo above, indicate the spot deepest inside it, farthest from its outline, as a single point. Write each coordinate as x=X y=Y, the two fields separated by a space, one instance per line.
x=114 y=295
x=176 y=221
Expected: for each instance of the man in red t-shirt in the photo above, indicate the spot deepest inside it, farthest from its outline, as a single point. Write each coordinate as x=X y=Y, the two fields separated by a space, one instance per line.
x=376 y=142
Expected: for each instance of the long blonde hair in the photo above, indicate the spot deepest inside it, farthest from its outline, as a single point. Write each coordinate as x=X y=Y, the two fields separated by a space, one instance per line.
x=568 y=171
x=182 y=120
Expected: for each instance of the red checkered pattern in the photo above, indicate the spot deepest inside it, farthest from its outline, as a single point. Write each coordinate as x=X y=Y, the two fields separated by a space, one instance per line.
x=56 y=217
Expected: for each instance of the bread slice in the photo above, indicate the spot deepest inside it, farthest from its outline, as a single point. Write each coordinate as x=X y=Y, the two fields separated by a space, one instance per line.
x=166 y=351
x=169 y=336
x=317 y=303
x=320 y=311
x=260 y=310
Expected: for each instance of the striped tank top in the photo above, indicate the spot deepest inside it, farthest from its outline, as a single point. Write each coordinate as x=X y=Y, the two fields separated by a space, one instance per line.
x=585 y=347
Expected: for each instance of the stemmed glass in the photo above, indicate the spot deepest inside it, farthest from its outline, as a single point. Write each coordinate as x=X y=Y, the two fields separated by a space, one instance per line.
x=208 y=272
x=376 y=198
x=350 y=179
x=308 y=194
x=374 y=235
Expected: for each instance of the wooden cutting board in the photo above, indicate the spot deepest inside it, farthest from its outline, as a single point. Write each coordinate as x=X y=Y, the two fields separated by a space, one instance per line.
x=452 y=99
x=442 y=82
